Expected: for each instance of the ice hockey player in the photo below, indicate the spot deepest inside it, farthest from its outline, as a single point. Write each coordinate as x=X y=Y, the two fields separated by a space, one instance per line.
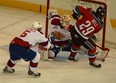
x=20 y=48
x=59 y=35
x=88 y=22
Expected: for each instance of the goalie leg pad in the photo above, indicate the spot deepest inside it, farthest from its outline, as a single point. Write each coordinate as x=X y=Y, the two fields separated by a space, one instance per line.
x=56 y=49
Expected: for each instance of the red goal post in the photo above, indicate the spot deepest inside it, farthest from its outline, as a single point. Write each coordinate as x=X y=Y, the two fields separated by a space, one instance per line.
x=52 y=5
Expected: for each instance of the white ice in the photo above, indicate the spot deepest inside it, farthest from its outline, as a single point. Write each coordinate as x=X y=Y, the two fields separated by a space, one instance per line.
x=13 y=22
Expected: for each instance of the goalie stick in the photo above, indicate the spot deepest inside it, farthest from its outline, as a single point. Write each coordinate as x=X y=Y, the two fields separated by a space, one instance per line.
x=104 y=49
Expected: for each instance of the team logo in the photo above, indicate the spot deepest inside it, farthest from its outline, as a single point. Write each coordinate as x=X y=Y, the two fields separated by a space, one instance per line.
x=58 y=35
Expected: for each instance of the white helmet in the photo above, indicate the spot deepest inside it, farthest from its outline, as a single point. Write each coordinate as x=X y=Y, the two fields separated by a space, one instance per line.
x=36 y=25
x=65 y=20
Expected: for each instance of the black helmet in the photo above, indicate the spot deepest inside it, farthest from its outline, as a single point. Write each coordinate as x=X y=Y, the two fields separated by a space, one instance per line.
x=100 y=12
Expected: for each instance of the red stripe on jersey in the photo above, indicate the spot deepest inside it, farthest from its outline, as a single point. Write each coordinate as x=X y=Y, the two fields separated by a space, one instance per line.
x=55 y=21
x=20 y=42
x=44 y=43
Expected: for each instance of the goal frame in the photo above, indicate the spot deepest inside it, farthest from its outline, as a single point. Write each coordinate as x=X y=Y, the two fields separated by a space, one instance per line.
x=102 y=47
x=90 y=1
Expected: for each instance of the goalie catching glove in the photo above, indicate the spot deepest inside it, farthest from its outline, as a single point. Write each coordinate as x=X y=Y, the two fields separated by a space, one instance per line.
x=65 y=21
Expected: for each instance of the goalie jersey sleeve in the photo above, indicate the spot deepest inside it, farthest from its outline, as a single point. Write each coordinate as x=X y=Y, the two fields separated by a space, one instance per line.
x=88 y=24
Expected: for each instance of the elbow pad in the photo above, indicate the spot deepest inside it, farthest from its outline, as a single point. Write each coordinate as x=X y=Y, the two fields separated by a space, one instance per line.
x=75 y=16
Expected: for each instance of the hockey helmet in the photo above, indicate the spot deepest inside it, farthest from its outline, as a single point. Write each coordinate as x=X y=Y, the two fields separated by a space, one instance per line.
x=100 y=12
x=36 y=25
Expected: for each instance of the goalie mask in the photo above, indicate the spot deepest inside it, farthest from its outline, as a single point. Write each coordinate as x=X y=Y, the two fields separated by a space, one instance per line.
x=65 y=21
x=37 y=25
x=100 y=12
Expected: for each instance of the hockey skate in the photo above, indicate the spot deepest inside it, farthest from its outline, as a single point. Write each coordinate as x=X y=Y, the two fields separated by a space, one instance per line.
x=33 y=73
x=70 y=58
x=7 y=70
x=94 y=64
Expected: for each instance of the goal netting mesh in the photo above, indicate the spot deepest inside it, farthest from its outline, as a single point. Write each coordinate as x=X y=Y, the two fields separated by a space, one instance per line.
x=106 y=36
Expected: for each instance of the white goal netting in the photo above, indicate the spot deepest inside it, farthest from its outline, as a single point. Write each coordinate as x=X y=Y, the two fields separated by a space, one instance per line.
x=106 y=36
x=66 y=7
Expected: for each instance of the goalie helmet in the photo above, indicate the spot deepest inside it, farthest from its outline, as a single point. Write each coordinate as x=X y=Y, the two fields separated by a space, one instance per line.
x=65 y=21
x=37 y=25
x=100 y=12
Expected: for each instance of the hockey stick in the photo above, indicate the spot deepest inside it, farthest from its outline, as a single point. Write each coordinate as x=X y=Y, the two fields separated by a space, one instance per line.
x=103 y=49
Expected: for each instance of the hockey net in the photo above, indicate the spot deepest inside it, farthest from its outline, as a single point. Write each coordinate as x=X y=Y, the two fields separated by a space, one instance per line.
x=66 y=7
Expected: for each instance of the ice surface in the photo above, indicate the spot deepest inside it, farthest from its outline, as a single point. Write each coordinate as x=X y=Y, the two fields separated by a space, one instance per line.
x=13 y=22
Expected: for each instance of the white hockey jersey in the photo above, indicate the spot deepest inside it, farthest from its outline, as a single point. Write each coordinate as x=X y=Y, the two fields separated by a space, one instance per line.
x=30 y=38
x=58 y=32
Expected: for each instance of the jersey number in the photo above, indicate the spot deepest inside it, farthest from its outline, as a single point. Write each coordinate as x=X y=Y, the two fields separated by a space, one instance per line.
x=25 y=33
x=86 y=28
